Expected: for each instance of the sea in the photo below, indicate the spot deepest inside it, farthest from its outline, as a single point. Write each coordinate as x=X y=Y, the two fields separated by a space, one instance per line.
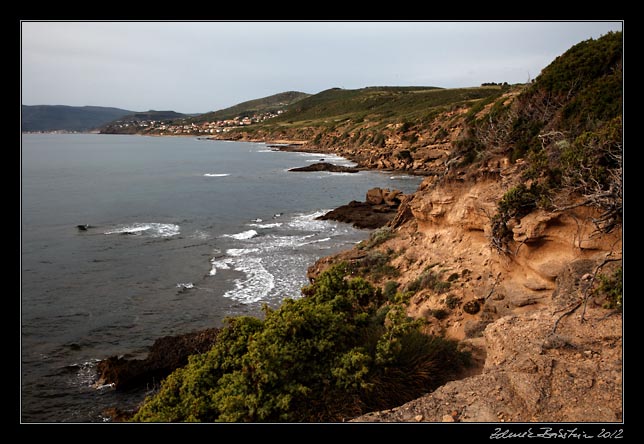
x=177 y=234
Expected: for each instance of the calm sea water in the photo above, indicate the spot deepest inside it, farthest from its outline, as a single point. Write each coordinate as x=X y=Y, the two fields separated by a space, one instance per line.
x=182 y=233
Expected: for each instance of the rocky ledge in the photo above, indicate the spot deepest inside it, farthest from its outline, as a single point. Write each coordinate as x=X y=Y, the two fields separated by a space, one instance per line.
x=533 y=373
x=325 y=166
x=167 y=354
x=380 y=208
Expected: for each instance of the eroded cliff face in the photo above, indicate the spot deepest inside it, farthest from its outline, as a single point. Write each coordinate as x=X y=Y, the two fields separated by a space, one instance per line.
x=519 y=312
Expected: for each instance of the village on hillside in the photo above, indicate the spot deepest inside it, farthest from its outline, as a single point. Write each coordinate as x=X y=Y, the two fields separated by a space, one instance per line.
x=182 y=127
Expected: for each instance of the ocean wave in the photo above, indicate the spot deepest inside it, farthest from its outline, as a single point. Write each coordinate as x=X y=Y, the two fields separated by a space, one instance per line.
x=316 y=241
x=235 y=252
x=308 y=221
x=219 y=264
x=86 y=375
x=249 y=234
x=185 y=286
x=148 y=229
x=336 y=173
x=273 y=242
x=201 y=235
x=404 y=177
x=257 y=284
x=216 y=175
x=275 y=225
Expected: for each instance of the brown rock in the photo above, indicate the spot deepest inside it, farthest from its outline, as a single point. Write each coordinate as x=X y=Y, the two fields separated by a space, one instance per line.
x=325 y=166
x=370 y=214
x=166 y=354
x=375 y=196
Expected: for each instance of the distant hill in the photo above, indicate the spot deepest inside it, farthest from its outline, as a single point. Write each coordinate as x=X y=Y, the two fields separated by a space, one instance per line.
x=152 y=115
x=68 y=118
x=272 y=103
x=378 y=102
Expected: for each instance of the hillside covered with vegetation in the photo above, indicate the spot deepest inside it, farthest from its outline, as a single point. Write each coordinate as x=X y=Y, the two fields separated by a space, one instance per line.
x=269 y=104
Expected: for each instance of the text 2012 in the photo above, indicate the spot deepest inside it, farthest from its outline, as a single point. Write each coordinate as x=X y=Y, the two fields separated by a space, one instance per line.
x=550 y=433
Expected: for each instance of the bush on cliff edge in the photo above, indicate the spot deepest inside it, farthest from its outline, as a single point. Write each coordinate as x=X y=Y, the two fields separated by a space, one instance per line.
x=337 y=352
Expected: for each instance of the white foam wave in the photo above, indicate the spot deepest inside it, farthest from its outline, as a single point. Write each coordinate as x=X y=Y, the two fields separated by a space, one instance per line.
x=402 y=177
x=235 y=252
x=275 y=242
x=243 y=235
x=309 y=222
x=266 y=151
x=257 y=284
x=216 y=175
x=275 y=225
x=187 y=285
x=316 y=241
x=220 y=264
x=150 y=229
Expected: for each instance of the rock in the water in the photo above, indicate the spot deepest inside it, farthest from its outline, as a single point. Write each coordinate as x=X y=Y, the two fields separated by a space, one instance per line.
x=376 y=212
x=374 y=196
x=167 y=354
x=325 y=166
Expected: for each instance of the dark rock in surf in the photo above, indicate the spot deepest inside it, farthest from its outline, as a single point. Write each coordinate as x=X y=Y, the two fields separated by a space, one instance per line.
x=166 y=355
x=379 y=209
x=83 y=227
x=325 y=166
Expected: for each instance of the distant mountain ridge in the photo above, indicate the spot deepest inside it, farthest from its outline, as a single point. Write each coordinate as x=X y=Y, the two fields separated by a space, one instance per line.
x=68 y=118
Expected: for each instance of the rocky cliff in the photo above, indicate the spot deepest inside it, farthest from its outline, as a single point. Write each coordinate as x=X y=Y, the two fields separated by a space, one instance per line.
x=513 y=243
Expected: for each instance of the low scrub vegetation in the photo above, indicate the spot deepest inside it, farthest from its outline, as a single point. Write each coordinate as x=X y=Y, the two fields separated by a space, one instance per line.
x=339 y=351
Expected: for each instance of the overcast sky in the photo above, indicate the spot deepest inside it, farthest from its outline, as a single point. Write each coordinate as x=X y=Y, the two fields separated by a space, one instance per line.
x=195 y=67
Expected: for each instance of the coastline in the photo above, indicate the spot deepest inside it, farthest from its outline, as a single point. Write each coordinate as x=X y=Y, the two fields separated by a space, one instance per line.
x=170 y=352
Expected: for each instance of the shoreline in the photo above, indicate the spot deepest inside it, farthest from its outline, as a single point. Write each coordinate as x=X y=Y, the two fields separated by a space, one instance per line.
x=117 y=372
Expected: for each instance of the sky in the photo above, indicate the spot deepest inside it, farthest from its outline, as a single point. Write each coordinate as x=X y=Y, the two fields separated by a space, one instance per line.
x=196 y=67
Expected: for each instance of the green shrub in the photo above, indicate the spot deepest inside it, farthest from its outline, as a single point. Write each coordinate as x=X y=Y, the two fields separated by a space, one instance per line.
x=391 y=287
x=375 y=264
x=611 y=289
x=335 y=353
x=452 y=301
x=428 y=280
x=439 y=313
x=516 y=203
x=376 y=238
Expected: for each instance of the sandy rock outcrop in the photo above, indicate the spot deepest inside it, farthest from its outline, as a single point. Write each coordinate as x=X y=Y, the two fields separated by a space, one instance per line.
x=533 y=374
x=379 y=208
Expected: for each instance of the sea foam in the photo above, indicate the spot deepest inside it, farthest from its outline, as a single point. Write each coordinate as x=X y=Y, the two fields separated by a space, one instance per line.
x=249 y=234
x=147 y=229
